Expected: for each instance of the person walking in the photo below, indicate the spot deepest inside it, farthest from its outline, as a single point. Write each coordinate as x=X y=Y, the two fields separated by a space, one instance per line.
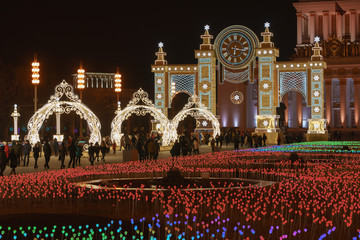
x=196 y=146
x=47 y=154
x=103 y=149
x=72 y=153
x=27 y=150
x=97 y=150
x=91 y=152
x=17 y=151
x=36 y=151
x=3 y=160
x=62 y=154
x=13 y=161
x=264 y=137
x=151 y=148
x=78 y=153
x=6 y=150
x=114 y=147
x=175 y=150
x=56 y=147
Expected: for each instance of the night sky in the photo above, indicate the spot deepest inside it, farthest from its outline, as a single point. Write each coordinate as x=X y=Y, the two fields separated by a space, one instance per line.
x=107 y=34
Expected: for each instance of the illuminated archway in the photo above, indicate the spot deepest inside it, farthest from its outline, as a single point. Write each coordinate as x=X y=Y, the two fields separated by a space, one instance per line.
x=140 y=110
x=195 y=109
x=54 y=105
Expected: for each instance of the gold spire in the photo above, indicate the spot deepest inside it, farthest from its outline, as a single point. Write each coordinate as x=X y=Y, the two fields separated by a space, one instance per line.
x=206 y=45
x=317 y=50
x=267 y=43
x=160 y=55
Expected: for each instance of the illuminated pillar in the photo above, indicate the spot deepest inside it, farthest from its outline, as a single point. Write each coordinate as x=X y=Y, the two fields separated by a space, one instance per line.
x=35 y=79
x=81 y=86
x=299 y=109
x=15 y=115
x=299 y=18
x=343 y=102
x=357 y=102
x=328 y=101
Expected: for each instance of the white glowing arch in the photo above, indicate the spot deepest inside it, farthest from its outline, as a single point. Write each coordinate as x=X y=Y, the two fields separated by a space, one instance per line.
x=55 y=105
x=195 y=109
x=140 y=110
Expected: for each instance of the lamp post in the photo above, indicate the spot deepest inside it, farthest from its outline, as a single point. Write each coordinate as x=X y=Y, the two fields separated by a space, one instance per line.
x=15 y=115
x=81 y=86
x=35 y=79
x=58 y=111
x=117 y=84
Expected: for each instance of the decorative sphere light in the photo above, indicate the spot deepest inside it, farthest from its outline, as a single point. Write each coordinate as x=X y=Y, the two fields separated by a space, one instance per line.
x=265 y=52
x=270 y=51
x=259 y=52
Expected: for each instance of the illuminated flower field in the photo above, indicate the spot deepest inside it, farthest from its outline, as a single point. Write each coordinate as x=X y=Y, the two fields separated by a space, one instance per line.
x=318 y=199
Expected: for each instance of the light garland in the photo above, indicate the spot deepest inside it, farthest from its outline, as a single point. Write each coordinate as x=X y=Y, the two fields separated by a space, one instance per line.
x=167 y=128
x=35 y=73
x=56 y=106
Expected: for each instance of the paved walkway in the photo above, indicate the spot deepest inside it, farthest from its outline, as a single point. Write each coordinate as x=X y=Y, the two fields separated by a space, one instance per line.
x=109 y=158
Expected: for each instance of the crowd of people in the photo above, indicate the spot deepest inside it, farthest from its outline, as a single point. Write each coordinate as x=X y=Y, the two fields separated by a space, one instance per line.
x=18 y=153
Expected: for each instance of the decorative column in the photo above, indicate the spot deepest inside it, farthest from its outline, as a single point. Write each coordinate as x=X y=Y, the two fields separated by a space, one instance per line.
x=328 y=101
x=299 y=18
x=58 y=111
x=317 y=123
x=299 y=109
x=286 y=111
x=326 y=24
x=268 y=100
x=352 y=25
x=15 y=115
x=161 y=92
x=312 y=26
x=338 y=25
x=357 y=102
x=343 y=102
x=207 y=72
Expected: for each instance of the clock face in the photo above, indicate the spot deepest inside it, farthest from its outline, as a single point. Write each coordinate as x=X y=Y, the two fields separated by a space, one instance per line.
x=235 y=47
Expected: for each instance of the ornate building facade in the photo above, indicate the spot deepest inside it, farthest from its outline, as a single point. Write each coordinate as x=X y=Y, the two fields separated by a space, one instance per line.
x=237 y=77
x=337 y=23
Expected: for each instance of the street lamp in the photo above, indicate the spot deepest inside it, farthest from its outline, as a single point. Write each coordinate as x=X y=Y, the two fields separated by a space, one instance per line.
x=35 y=79
x=15 y=115
x=58 y=111
x=81 y=86
x=117 y=84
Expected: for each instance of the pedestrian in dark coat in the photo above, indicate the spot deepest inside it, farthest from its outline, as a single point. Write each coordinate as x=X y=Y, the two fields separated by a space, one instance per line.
x=47 y=154
x=103 y=150
x=62 y=154
x=3 y=160
x=175 y=150
x=13 y=161
x=78 y=153
x=27 y=150
x=36 y=151
x=97 y=150
x=91 y=152
x=72 y=153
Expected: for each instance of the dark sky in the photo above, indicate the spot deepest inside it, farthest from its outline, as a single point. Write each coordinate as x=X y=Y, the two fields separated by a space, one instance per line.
x=106 y=34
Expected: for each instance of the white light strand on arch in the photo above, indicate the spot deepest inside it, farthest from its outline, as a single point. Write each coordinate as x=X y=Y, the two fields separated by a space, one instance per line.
x=167 y=128
x=140 y=110
x=195 y=109
x=54 y=105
